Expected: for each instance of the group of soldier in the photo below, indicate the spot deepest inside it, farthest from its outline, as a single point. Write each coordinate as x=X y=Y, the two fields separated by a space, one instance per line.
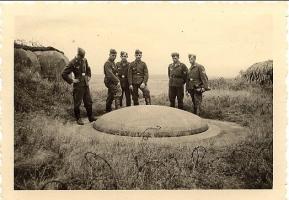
x=124 y=78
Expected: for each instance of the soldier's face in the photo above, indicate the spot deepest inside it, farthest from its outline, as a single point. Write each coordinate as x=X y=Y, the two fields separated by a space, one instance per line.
x=81 y=55
x=138 y=56
x=192 y=60
x=175 y=59
x=124 y=57
x=112 y=56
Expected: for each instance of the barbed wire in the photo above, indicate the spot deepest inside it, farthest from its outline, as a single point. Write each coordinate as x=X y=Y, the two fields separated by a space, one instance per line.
x=63 y=186
x=147 y=169
x=151 y=166
x=113 y=174
x=145 y=135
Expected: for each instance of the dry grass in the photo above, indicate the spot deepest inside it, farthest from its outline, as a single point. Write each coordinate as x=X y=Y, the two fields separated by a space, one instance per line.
x=50 y=153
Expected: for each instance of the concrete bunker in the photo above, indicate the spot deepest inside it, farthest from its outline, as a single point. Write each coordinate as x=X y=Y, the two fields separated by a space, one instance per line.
x=151 y=121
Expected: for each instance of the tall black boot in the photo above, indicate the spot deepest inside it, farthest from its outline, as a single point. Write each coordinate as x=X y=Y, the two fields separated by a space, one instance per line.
x=108 y=108
x=180 y=105
x=135 y=102
x=77 y=113
x=90 y=116
x=172 y=104
x=117 y=103
x=77 y=116
x=148 y=101
x=196 y=110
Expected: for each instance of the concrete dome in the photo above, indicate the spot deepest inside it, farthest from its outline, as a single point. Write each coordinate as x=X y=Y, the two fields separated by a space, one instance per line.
x=150 y=121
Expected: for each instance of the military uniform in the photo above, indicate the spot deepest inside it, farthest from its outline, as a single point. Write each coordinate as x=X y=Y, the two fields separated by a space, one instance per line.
x=138 y=74
x=81 y=70
x=197 y=83
x=111 y=81
x=177 y=78
x=122 y=73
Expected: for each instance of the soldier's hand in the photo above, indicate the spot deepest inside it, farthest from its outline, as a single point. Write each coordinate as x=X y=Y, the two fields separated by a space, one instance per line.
x=187 y=93
x=75 y=80
x=130 y=87
x=142 y=86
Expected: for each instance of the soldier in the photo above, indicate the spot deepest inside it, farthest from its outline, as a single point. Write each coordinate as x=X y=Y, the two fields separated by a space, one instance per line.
x=197 y=83
x=177 y=72
x=122 y=72
x=82 y=73
x=138 y=78
x=112 y=82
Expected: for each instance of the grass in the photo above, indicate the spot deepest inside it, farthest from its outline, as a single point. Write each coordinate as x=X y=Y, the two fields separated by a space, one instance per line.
x=50 y=153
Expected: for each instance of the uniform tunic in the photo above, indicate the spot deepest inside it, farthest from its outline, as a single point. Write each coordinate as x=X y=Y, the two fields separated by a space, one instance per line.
x=177 y=73
x=197 y=79
x=111 y=80
x=138 y=74
x=81 y=70
x=122 y=73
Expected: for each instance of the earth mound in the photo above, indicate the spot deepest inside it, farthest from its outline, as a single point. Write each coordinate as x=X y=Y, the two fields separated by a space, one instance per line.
x=150 y=121
x=48 y=62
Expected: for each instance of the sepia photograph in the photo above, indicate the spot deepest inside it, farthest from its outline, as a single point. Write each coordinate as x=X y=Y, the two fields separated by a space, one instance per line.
x=145 y=96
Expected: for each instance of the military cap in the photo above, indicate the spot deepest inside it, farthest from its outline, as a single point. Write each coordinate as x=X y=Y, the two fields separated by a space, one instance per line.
x=112 y=51
x=122 y=53
x=175 y=54
x=138 y=51
x=80 y=51
x=192 y=55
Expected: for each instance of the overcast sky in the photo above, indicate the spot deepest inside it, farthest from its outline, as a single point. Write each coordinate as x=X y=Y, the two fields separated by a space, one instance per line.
x=224 y=40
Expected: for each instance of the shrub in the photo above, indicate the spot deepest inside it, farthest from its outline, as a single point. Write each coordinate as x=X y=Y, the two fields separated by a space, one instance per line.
x=261 y=73
x=32 y=93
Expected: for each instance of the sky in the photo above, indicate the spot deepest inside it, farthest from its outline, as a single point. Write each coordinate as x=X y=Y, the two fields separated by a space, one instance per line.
x=225 y=40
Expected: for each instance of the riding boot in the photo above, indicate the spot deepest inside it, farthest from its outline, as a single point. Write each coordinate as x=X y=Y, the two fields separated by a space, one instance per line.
x=180 y=105
x=77 y=113
x=148 y=101
x=117 y=104
x=91 y=118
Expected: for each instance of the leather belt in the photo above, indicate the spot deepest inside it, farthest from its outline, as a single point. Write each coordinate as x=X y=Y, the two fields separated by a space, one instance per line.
x=173 y=76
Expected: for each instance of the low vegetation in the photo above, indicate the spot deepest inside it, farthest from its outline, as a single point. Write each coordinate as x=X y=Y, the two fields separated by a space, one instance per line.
x=50 y=154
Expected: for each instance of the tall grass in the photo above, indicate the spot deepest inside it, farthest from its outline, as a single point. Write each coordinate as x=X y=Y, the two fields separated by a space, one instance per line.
x=51 y=154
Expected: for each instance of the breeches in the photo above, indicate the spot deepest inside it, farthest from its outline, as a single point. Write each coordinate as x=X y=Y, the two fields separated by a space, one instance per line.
x=135 y=96
x=82 y=94
x=197 y=98
x=176 y=92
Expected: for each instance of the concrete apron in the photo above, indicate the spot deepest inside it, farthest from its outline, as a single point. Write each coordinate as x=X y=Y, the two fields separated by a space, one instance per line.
x=226 y=132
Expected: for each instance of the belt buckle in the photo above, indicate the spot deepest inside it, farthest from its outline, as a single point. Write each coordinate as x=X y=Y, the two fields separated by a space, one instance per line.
x=83 y=74
x=122 y=76
x=191 y=79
